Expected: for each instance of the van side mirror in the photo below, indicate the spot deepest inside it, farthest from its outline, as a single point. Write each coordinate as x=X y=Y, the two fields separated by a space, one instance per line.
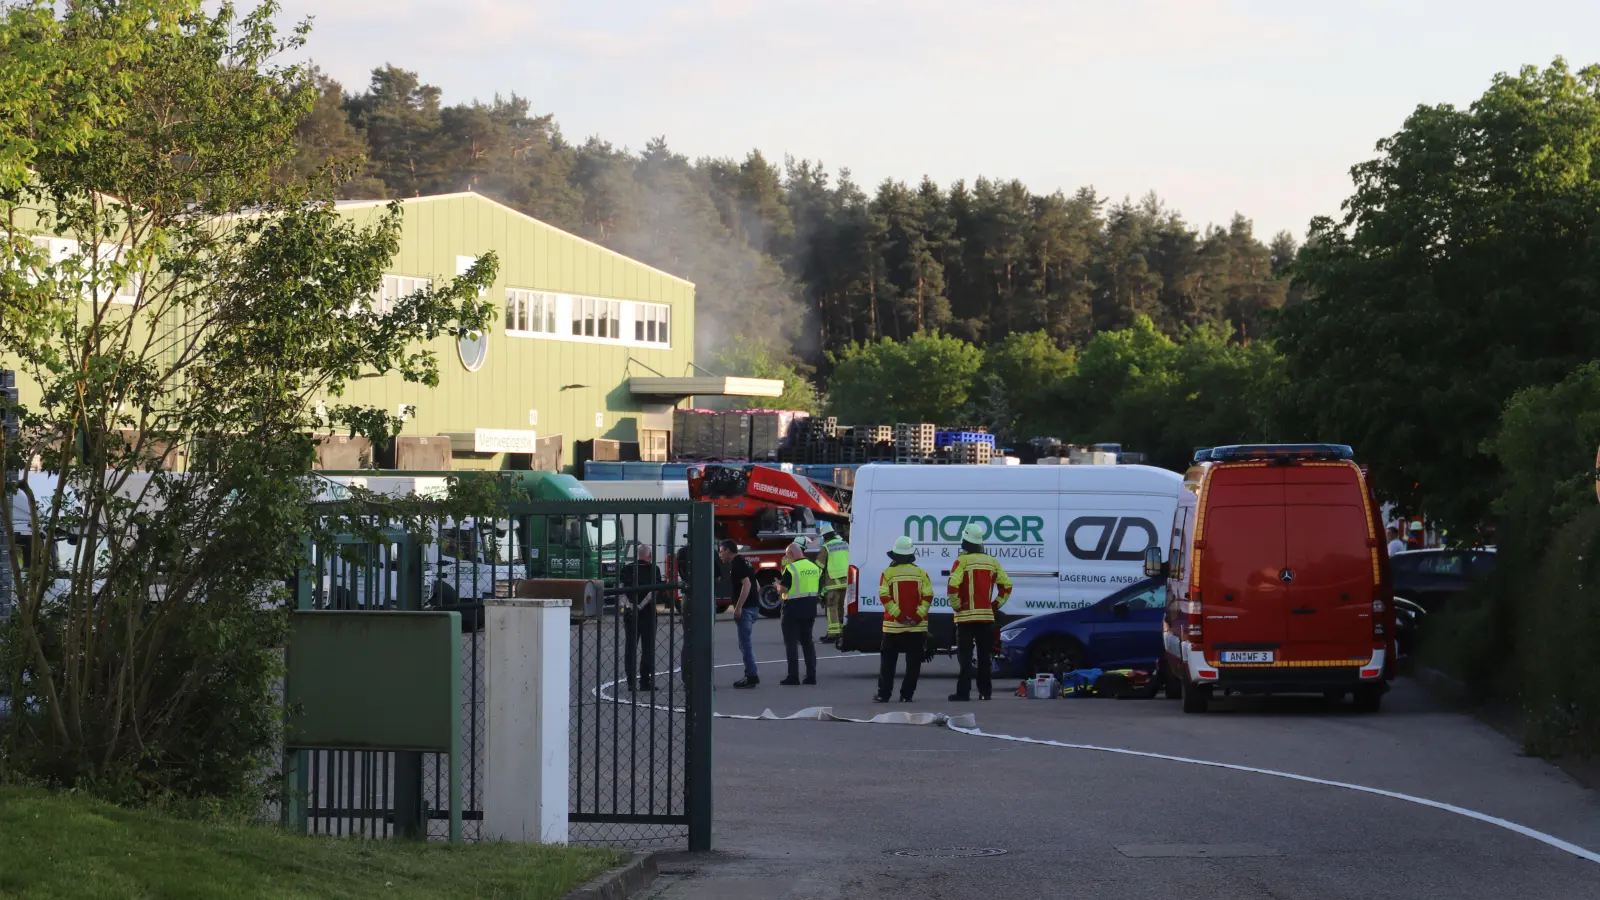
x=1153 y=566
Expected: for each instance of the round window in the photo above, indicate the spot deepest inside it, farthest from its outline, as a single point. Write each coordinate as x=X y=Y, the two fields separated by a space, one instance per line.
x=473 y=347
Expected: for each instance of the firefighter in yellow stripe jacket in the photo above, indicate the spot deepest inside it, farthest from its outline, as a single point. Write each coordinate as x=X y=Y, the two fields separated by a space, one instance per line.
x=906 y=593
x=979 y=586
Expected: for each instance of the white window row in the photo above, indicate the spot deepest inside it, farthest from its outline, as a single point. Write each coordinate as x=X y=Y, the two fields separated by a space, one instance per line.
x=586 y=319
x=394 y=287
x=559 y=316
x=60 y=250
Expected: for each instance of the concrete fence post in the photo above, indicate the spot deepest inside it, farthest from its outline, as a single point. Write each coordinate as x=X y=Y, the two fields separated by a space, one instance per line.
x=527 y=674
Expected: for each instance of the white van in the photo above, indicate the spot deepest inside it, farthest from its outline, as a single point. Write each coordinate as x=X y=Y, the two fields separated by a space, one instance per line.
x=1067 y=535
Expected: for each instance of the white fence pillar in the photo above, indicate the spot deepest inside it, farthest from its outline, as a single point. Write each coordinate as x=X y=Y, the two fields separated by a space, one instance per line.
x=527 y=674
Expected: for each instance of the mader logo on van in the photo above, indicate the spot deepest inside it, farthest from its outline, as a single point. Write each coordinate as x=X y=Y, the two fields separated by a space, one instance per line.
x=1112 y=544
x=1004 y=529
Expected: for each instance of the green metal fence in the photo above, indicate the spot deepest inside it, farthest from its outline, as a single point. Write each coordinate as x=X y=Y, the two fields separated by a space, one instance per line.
x=640 y=761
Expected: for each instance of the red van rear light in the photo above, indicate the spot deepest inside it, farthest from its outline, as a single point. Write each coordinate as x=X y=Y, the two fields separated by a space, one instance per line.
x=1193 y=631
x=1371 y=673
x=853 y=592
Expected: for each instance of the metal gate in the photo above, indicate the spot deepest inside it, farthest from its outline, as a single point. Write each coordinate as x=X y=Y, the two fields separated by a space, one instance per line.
x=640 y=763
x=640 y=740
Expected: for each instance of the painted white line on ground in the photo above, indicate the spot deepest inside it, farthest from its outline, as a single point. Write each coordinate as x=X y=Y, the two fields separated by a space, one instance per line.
x=1523 y=830
x=967 y=725
x=604 y=692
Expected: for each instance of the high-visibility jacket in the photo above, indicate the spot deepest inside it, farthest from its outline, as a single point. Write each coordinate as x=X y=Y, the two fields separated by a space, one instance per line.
x=978 y=586
x=836 y=553
x=905 y=591
x=805 y=579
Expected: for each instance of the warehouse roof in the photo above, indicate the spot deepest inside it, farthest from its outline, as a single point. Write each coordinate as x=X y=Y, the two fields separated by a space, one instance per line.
x=358 y=204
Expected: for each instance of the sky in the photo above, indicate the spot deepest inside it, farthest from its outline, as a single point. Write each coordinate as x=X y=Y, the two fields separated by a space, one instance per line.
x=1258 y=107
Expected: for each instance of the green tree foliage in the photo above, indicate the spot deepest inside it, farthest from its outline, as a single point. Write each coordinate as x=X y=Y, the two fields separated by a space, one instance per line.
x=1546 y=447
x=1548 y=536
x=206 y=306
x=54 y=97
x=1138 y=387
x=920 y=379
x=1554 y=656
x=1462 y=272
x=329 y=150
x=753 y=359
x=1020 y=370
x=1133 y=385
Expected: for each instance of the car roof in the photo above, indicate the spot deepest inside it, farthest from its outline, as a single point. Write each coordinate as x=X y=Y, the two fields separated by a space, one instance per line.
x=990 y=479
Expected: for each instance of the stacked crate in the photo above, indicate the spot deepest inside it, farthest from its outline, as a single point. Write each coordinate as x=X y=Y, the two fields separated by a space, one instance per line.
x=821 y=429
x=972 y=453
x=874 y=434
x=914 y=443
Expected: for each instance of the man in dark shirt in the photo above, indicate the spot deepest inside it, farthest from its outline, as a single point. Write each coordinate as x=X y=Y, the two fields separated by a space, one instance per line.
x=639 y=619
x=746 y=610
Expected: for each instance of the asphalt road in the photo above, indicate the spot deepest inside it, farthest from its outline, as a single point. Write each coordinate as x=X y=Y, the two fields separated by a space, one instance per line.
x=807 y=810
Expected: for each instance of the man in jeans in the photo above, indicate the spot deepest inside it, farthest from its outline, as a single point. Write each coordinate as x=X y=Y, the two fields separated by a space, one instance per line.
x=746 y=610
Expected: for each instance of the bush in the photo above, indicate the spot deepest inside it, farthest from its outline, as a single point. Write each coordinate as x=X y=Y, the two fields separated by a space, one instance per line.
x=1555 y=626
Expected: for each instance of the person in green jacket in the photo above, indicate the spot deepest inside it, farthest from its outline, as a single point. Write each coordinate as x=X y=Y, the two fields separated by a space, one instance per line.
x=835 y=563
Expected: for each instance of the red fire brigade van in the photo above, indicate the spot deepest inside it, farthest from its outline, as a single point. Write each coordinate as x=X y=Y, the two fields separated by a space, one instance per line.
x=1278 y=579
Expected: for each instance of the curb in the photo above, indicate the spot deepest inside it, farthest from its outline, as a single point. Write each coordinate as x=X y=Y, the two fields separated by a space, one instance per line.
x=622 y=882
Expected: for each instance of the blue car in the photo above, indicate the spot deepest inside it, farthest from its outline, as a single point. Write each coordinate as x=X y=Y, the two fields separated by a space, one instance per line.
x=1122 y=631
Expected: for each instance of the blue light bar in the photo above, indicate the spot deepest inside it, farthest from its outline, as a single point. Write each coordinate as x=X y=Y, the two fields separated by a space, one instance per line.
x=1236 y=452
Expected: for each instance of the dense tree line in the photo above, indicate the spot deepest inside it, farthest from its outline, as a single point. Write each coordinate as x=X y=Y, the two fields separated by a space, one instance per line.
x=805 y=257
x=1132 y=385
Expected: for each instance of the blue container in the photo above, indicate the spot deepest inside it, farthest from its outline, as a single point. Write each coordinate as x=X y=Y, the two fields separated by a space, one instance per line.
x=603 y=471
x=946 y=438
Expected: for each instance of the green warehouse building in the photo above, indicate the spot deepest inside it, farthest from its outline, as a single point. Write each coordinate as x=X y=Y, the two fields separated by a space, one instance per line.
x=588 y=344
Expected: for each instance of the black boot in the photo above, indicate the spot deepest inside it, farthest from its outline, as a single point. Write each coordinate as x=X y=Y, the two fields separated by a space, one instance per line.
x=747 y=682
x=957 y=698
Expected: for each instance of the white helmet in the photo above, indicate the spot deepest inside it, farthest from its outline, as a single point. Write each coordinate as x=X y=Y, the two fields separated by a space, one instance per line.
x=974 y=533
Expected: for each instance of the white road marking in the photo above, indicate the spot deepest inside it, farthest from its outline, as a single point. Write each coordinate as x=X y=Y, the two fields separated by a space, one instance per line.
x=967 y=725
x=1524 y=830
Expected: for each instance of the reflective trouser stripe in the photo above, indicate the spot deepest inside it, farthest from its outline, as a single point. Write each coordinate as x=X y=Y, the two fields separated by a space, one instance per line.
x=833 y=603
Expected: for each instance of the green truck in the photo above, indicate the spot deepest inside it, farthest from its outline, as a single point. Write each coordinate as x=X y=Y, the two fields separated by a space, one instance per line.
x=475 y=559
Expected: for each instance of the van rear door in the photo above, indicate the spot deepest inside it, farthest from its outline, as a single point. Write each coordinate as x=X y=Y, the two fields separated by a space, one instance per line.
x=1330 y=556
x=1242 y=558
